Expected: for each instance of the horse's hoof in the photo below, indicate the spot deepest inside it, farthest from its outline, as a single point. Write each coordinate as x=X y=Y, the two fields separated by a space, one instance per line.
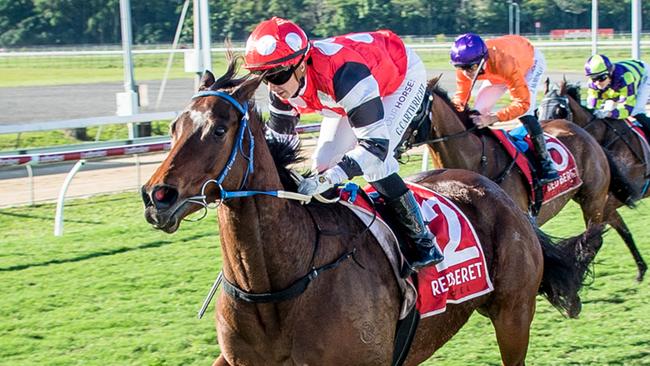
x=641 y=274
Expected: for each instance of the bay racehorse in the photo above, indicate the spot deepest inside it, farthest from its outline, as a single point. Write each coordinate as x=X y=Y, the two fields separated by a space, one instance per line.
x=454 y=142
x=629 y=182
x=347 y=313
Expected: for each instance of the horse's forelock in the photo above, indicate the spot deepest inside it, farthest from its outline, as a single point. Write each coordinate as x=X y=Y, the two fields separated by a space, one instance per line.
x=228 y=79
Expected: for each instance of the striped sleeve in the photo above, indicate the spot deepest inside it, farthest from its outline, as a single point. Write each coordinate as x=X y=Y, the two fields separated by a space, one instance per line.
x=284 y=117
x=625 y=103
x=357 y=91
x=626 y=97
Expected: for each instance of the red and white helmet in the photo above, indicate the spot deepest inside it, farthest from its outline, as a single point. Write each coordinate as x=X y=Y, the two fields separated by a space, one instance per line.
x=275 y=42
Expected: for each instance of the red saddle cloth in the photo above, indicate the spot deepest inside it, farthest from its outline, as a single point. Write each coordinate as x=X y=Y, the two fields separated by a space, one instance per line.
x=634 y=125
x=564 y=161
x=463 y=274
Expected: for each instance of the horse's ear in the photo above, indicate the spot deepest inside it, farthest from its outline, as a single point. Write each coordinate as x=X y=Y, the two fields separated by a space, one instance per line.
x=433 y=82
x=246 y=89
x=206 y=80
x=437 y=78
x=547 y=85
x=563 y=85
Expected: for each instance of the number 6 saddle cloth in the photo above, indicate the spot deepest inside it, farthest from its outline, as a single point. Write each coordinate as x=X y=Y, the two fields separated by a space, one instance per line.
x=460 y=277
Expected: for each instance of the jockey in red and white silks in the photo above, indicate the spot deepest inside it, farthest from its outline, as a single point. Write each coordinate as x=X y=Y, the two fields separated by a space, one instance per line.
x=368 y=87
x=366 y=101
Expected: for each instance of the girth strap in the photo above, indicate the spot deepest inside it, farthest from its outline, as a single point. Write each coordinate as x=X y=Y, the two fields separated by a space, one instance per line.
x=296 y=289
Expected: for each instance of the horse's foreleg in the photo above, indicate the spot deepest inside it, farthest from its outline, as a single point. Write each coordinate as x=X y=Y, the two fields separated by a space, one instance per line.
x=220 y=361
x=616 y=221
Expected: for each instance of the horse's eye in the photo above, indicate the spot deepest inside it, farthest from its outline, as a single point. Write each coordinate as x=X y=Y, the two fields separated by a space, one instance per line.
x=220 y=131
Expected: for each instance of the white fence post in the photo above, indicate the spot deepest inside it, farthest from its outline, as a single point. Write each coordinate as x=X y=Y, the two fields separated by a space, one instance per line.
x=58 y=219
x=30 y=176
x=425 y=160
x=137 y=171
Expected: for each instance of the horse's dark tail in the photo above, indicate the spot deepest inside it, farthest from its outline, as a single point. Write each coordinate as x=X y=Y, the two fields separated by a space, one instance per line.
x=620 y=186
x=566 y=265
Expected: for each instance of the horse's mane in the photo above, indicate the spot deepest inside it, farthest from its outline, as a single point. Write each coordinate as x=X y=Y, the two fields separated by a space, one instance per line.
x=433 y=87
x=229 y=80
x=573 y=90
x=285 y=152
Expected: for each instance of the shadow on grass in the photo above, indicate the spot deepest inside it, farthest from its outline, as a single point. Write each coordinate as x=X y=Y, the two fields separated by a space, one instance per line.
x=641 y=356
x=155 y=244
x=49 y=218
x=20 y=267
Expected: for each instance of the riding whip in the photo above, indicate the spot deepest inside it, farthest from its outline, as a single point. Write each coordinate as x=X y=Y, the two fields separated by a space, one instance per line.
x=208 y=298
x=478 y=71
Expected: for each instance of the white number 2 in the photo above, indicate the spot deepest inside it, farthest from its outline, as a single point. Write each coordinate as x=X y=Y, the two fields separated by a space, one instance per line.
x=452 y=256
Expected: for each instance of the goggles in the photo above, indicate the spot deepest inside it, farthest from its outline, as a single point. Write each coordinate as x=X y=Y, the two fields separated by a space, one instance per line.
x=279 y=75
x=598 y=78
x=466 y=67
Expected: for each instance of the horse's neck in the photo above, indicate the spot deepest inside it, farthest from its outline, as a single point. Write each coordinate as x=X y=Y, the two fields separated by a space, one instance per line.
x=255 y=234
x=585 y=120
x=463 y=151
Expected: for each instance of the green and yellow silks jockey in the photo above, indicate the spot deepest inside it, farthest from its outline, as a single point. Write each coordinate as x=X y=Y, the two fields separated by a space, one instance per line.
x=618 y=90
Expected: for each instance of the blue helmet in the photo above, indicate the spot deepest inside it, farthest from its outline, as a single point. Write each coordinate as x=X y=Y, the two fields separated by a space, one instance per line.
x=468 y=49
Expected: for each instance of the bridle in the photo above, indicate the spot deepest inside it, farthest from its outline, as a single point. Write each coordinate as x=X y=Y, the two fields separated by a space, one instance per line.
x=243 y=131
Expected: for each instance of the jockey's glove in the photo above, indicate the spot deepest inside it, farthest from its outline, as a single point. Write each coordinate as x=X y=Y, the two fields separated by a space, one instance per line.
x=322 y=182
x=601 y=113
x=484 y=120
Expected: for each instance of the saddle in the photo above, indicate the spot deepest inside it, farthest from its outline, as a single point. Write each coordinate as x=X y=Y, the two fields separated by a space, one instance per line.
x=519 y=147
x=642 y=135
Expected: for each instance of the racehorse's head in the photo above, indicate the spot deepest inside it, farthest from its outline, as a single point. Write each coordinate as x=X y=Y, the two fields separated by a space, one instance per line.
x=208 y=138
x=555 y=105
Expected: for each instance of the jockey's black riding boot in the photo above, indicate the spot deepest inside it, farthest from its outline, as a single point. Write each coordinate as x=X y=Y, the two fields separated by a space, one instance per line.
x=407 y=213
x=645 y=123
x=548 y=173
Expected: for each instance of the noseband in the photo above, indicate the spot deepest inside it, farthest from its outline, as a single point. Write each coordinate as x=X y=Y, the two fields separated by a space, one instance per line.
x=548 y=105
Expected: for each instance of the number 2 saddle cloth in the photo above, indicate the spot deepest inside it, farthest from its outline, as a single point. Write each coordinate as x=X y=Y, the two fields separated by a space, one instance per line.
x=460 y=277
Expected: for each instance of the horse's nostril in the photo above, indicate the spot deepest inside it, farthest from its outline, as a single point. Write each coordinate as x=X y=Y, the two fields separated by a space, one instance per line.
x=159 y=195
x=164 y=196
